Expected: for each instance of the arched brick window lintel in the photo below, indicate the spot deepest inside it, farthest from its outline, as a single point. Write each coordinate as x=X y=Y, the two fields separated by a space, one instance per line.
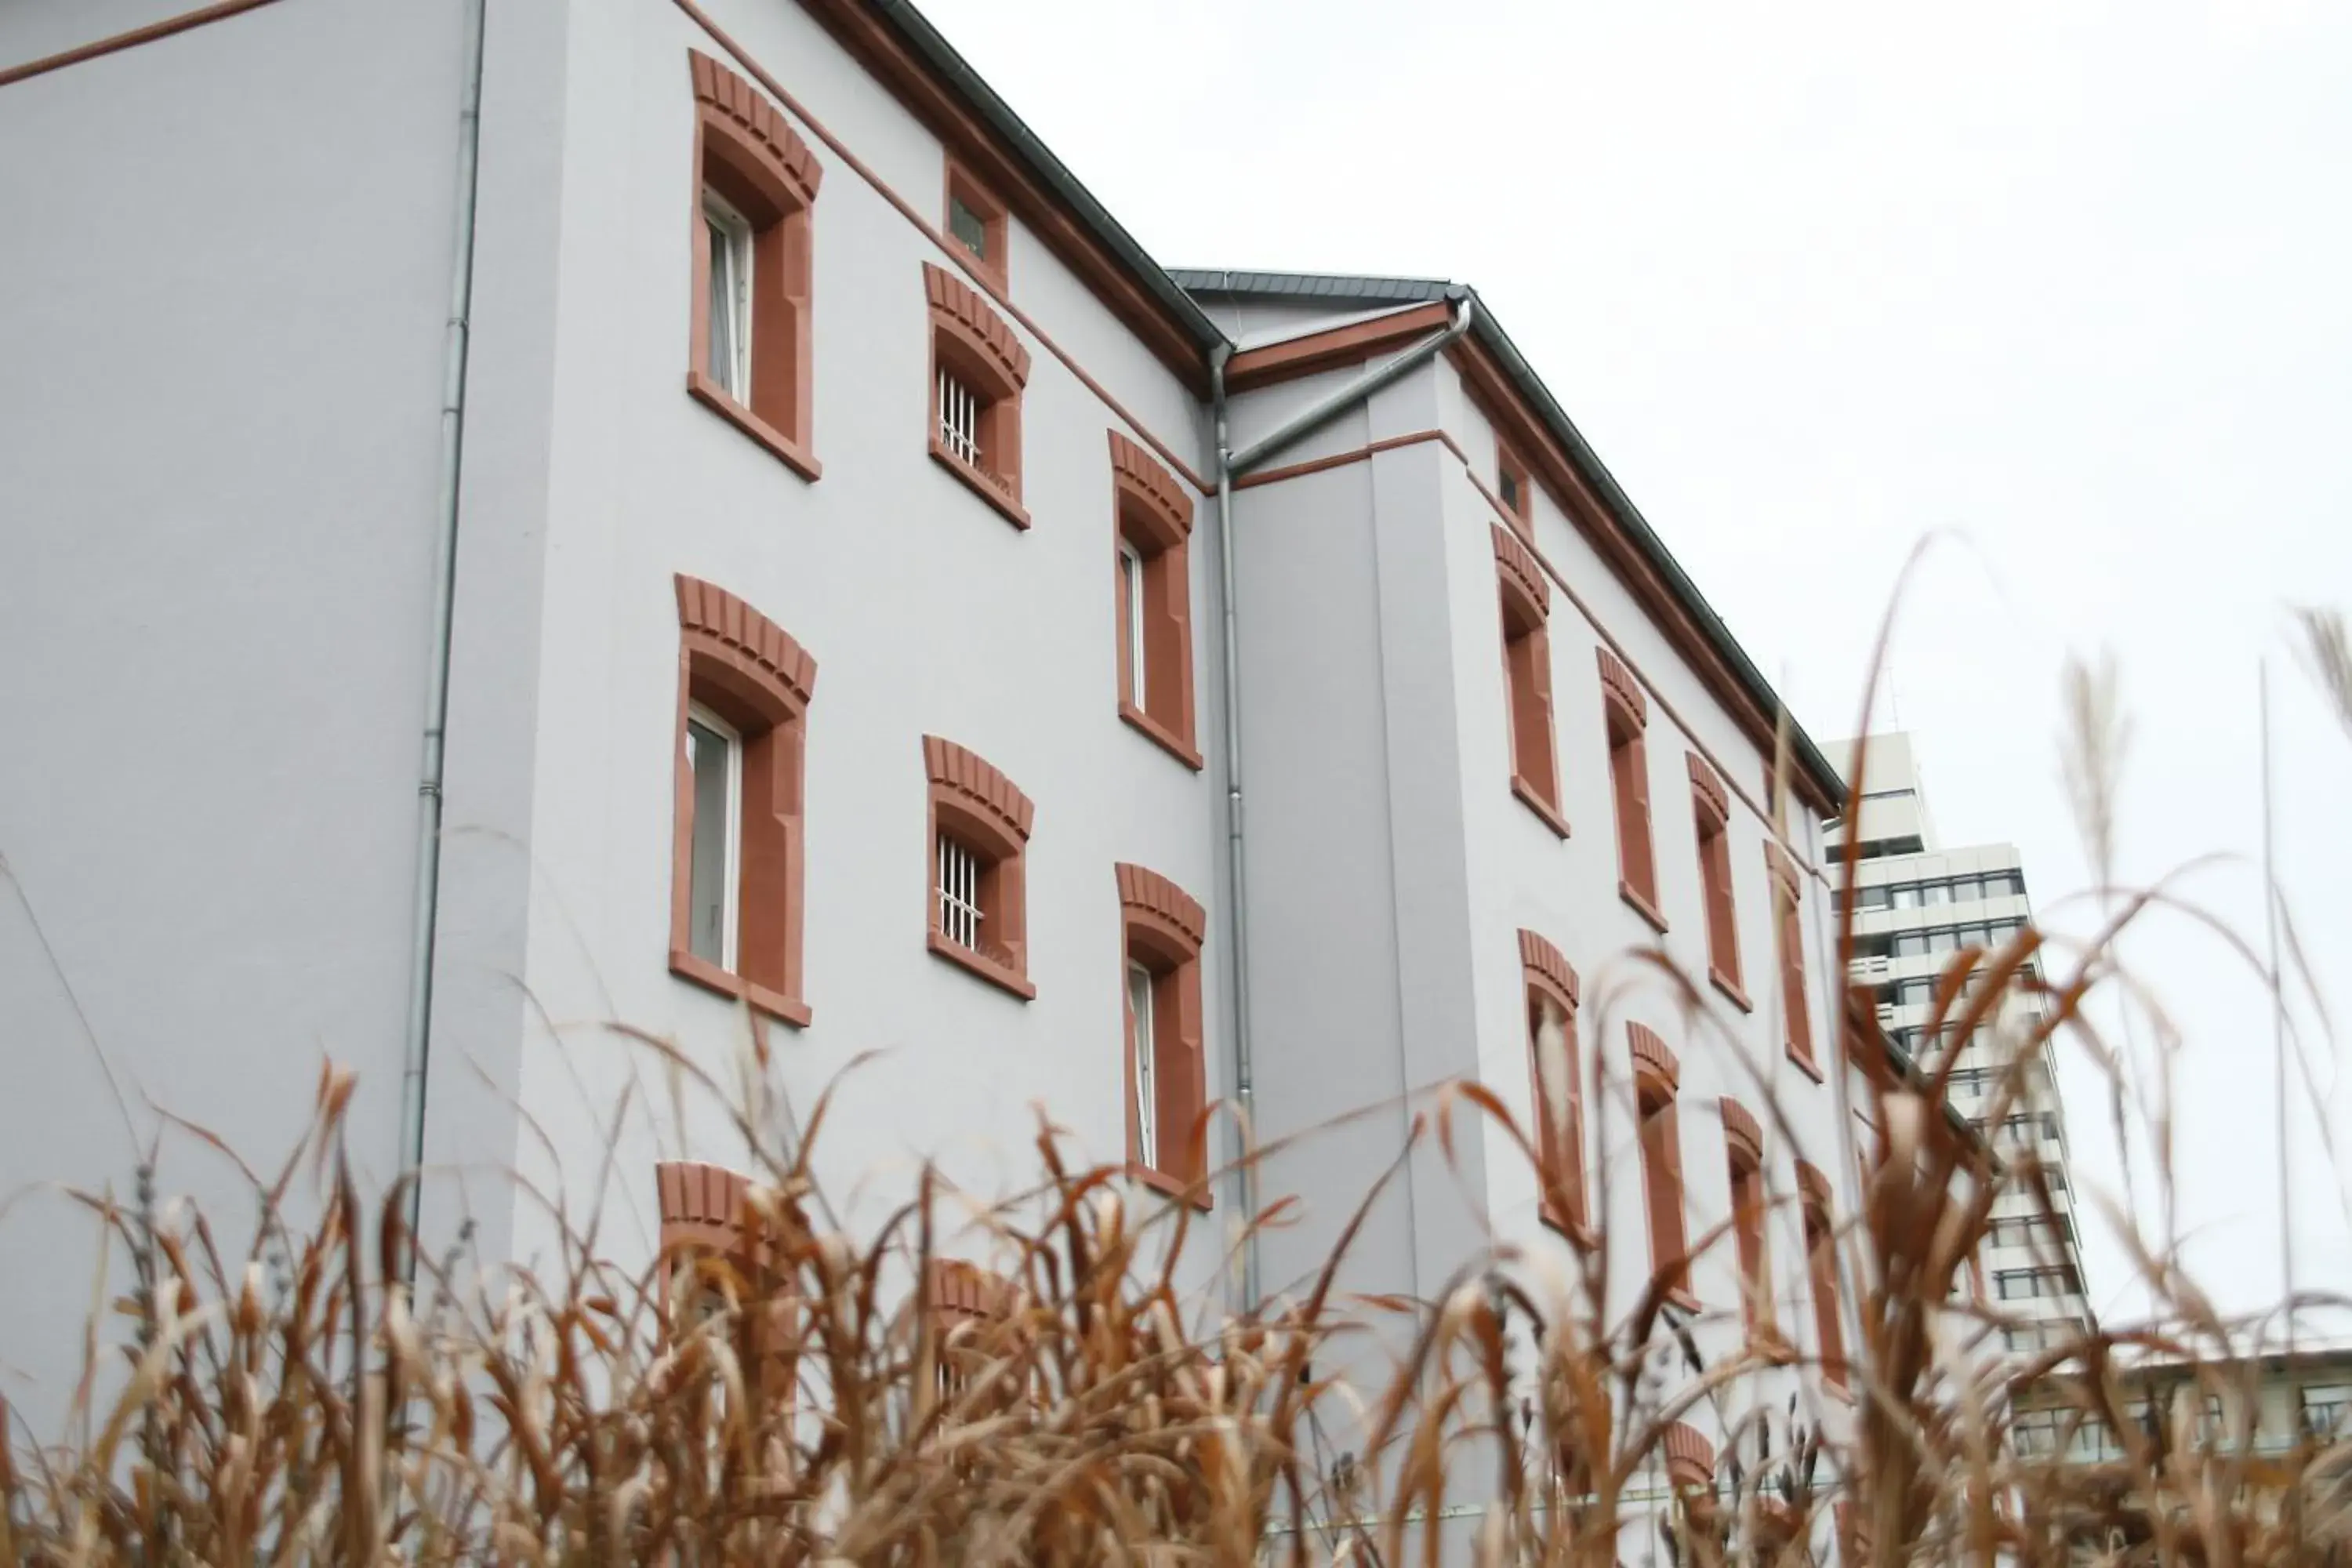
x=1812 y=1185
x=1656 y=1068
x=997 y=357
x=980 y=795
x=1159 y=502
x=1544 y=962
x=740 y=650
x=1162 y=913
x=1742 y=1132
x=1690 y=1457
x=1709 y=786
x=751 y=138
x=1620 y=691
x=1527 y=595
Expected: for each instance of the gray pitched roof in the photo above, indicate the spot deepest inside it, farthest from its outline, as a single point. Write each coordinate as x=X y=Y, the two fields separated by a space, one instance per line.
x=1342 y=291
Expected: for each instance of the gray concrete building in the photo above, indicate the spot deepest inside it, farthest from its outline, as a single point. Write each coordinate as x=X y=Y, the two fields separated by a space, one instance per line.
x=631 y=517
x=1917 y=903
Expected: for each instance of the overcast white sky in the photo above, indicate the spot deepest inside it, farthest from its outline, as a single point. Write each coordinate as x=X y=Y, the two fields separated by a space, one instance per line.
x=2073 y=281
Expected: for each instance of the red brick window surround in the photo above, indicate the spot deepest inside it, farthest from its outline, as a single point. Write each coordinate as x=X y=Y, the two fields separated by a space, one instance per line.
x=1527 y=676
x=1711 y=806
x=1690 y=1457
x=977 y=370
x=751 y=350
x=1657 y=1082
x=979 y=840
x=1789 y=941
x=1163 y=929
x=1626 y=712
x=961 y=1302
x=1743 y=1139
x=973 y=218
x=713 y=1257
x=1820 y=1255
x=1557 y=1081
x=1514 y=491
x=739 y=839
x=1152 y=579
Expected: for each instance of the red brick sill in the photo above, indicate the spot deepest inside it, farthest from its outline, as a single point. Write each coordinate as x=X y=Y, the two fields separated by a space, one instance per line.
x=1540 y=807
x=983 y=485
x=1730 y=988
x=987 y=968
x=1171 y=1186
x=1806 y=1065
x=710 y=977
x=1166 y=739
x=1641 y=906
x=781 y=447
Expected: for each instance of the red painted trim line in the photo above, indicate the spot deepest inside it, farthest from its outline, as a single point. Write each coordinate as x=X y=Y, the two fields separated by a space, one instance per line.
x=131 y=40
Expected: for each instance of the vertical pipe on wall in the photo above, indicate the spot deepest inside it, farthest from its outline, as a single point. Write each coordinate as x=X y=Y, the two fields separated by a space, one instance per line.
x=1244 y=1087
x=416 y=1042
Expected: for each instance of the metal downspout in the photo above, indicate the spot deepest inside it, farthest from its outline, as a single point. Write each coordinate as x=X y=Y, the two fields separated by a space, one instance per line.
x=416 y=1043
x=1229 y=464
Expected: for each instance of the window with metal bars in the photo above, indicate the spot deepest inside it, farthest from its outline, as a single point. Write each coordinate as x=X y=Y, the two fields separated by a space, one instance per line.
x=959 y=412
x=958 y=893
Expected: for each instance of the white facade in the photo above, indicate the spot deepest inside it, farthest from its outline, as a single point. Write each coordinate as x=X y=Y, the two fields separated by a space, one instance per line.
x=224 y=934
x=1917 y=904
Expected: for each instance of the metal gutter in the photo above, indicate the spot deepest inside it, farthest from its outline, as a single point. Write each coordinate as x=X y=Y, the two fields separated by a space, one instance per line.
x=1337 y=287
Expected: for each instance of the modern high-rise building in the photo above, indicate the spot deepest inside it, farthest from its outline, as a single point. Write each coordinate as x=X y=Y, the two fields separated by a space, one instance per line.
x=1917 y=903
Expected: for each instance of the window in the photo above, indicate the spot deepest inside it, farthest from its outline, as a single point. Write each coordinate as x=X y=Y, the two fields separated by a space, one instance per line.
x=1821 y=1254
x=728 y=360
x=978 y=841
x=976 y=224
x=2035 y=1432
x=1557 y=1085
x=1527 y=674
x=1144 y=1105
x=2027 y=1284
x=737 y=851
x=2327 y=1411
x=712 y=1262
x=750 y=353
x=2033 y=1231
x=1657 y=1079
x=1905 y=898
x=714 y=753
x=2212 y=1421
x=1511 y=488
x=1915 y=993
x=978 y=368
x=1711 y=806
x=1153 y=517
x=1625 y=710
x=1164 y=928
x=1743 y=1141
x=965 y=1308
x=1788 y=930
x=1965 y=890
x=1873 y=898
x=1911 y=944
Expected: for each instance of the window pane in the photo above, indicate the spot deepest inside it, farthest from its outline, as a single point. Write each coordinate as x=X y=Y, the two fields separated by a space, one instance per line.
x=1147 y=1074
x=1906 y=897
x=971 y=231
x=1873 y=898
x=711 y=757
x=1933 y=893
x=721 y=306
x=1910 y=944
x=1130 y=575
x=1964 y=890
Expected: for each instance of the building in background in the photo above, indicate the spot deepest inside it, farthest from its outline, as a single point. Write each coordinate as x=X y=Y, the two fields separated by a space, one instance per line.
x=1916 y=904
x=807 y=405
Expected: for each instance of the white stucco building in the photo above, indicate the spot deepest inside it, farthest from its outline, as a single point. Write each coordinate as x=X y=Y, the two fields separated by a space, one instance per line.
x=807 y=498
x=1917 y=903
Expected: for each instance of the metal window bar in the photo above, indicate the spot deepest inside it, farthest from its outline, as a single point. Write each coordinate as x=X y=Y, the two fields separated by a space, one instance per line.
x=959 y=419
x=958 y=890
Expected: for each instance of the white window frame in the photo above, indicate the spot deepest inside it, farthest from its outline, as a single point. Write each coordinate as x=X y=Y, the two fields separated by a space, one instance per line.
x=731 y=866
x=735 y=257
x=956 y=885
x=1131 y=566
x=1142 y=998
x=959 y=411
